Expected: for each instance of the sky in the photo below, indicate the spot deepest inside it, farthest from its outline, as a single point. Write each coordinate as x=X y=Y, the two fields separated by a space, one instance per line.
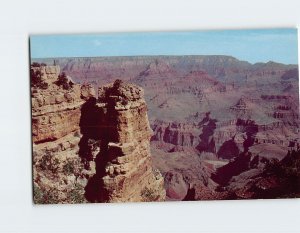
x=263 y=45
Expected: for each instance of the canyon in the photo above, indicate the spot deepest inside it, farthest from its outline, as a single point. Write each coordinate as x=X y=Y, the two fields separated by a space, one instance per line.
x=170 y=128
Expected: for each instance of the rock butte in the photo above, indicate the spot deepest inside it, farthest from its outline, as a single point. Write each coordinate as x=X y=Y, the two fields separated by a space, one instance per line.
x=65 y=122
x=124 y=166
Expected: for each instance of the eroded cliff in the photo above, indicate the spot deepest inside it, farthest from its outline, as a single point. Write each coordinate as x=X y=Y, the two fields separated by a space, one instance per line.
x=82 y=144
x=124 y=166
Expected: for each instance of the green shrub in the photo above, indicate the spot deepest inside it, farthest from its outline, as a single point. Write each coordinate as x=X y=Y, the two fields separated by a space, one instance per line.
x=72 y=167
x=148 y=195
x=36 y=79
x=43 y=196
x=64 y=82
x=69 y=168
x=35 y=64
x=48 y=163
x=117 y=83
x=76 y=195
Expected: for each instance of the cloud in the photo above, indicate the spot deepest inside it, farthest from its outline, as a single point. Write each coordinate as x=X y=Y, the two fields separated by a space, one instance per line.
x=97 y=42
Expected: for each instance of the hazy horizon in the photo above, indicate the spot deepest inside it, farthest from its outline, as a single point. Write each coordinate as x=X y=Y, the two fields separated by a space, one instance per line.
x=134 y=56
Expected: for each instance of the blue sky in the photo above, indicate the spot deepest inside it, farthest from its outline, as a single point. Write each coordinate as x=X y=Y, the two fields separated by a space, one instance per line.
x=279 y=45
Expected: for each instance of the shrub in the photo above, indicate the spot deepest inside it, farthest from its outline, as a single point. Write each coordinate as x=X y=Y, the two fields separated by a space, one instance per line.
x=64 y=82
x=37 y=195
x=43 y=196
x=69 y=167
x=36 y=79
x=72 y=167
x=35 y=64
x=148 y=195
x=71 y=84
x=76 y=195
x=117 y=83
x=49 y=163
x=124 y=102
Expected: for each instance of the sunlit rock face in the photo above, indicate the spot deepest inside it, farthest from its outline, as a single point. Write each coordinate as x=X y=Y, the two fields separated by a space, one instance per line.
x=78 y=140
x=124 y=165
x=59 y=176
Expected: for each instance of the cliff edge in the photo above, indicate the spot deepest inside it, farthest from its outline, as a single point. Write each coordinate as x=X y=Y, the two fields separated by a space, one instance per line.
x=81 y=143
x=124 y=166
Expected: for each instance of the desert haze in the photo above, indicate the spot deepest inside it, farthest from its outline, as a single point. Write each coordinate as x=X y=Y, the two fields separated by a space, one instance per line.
x=163 y=128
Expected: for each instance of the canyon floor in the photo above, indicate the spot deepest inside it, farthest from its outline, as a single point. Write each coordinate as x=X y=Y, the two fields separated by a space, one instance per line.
x=174 y=128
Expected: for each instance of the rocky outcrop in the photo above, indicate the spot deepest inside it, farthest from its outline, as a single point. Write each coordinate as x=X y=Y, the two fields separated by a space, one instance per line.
x=241 y=109
x=176 y=186
x=254 y=176
x=179 y=134
x=124 y=167
x=55 y=111
x=77 y=140
x=201 y=136
x=87 y=91
x=58 y=173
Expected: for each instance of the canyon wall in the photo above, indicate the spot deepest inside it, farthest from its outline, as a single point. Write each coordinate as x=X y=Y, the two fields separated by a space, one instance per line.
x=124 y=168
x=78 y=140
x=58 y=173
x=205 y=112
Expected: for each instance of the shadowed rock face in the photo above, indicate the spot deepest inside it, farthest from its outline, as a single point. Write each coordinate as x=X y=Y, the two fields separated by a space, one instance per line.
x=123 y=167
x=228 y=150
x=253 y=176
x=85 y=150
x=207 y=142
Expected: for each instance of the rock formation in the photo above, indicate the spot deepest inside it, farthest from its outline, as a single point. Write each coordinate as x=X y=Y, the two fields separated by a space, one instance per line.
x=77 y=140
x=55 y=110
x=58 y=174
x=124 y=168
x=176 y=133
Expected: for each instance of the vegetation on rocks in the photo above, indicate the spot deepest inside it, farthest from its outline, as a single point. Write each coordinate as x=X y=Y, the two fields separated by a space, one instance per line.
x=76 y=195
x=49 y=163
x=148 y=195
x=64 y=81
x=36 y=79
x=72 y=167
x=43 y=196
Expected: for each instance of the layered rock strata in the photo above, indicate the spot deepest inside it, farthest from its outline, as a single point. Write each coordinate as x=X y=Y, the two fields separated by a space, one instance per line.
x=58 y=173
x=77 y=140
x=55 y=111
x=124 y=165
